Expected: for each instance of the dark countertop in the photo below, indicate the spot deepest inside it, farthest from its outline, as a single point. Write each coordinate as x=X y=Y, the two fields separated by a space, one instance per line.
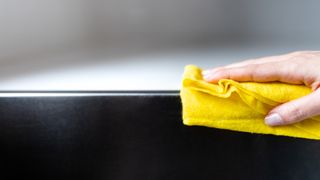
x=136 y=135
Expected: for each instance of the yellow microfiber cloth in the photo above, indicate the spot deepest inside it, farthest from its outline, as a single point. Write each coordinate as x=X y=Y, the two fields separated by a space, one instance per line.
x=241 y=106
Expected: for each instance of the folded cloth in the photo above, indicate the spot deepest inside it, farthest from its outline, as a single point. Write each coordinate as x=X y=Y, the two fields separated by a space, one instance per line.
x=241 y=106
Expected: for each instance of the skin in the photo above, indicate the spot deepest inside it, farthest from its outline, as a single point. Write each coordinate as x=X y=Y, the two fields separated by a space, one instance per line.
x=295 y=68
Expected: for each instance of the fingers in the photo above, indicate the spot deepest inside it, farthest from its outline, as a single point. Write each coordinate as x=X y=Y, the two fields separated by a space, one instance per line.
x=258 y=61
x=295 y=111
x=248 y=64
x=264 y=72
x=291 y=68
x=270 y=59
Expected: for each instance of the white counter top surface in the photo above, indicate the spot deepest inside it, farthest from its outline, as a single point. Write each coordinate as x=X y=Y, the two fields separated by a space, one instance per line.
x=105 y=69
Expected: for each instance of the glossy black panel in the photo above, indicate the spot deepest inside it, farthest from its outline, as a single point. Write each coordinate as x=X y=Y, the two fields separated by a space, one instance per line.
x=132 y=136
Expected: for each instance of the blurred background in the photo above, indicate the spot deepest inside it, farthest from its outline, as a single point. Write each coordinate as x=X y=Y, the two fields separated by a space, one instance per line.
x=142 y=44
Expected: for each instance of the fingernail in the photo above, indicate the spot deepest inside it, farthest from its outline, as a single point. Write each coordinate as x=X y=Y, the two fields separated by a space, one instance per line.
x=207 y=77
x=205 y=72
x=273 y=119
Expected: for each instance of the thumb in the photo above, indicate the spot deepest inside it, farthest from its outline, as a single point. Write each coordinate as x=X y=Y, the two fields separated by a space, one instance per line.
x=295 y=111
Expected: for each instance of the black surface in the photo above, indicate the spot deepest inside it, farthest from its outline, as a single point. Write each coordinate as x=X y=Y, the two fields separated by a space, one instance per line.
x=137 y=137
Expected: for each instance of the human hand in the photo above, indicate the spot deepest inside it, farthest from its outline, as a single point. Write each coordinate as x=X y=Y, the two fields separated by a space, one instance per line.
x=294 y=68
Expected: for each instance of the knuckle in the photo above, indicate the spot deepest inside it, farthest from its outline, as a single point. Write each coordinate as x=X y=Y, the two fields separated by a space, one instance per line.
x=289 y=69
x=252 y=70
x=294 y=113
x=297 y=114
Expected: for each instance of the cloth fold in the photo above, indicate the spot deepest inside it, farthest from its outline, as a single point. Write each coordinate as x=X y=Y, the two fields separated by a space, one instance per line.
x=241 y=106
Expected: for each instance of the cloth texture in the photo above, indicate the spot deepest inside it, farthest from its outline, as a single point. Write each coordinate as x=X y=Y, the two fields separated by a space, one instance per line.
x=241 y=106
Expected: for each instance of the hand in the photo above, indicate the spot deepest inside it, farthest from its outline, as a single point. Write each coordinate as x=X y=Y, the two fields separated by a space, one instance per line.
x=295 y=68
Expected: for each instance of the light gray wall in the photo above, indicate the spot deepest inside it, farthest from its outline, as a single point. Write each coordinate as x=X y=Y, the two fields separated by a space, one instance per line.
x=35 y=26
x=284 y=19
x=38 y=25
x=170 y=21
x=200 y=21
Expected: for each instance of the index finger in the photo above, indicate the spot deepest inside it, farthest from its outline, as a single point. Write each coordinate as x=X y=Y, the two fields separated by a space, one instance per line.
x=264 y=72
